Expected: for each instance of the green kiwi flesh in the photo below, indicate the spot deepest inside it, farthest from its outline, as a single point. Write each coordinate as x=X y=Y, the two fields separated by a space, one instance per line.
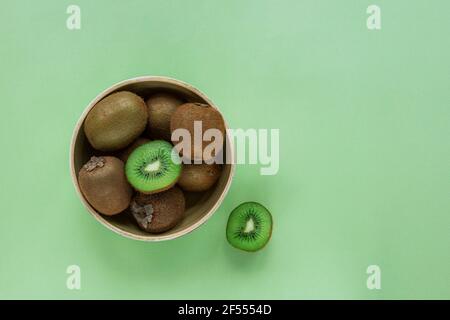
x=116 y=121
x=249 y=226
x=153 y=167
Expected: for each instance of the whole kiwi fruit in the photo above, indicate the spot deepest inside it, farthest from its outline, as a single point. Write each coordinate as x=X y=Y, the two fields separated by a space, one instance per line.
x=116 y=121
x=199 y=177
x=160 y=107
x=102 y=182
x=125 y=153
x=210 y=118
x=158 y=212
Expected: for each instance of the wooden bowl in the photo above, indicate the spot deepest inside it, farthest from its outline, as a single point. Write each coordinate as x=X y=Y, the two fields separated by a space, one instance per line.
x=199 y=206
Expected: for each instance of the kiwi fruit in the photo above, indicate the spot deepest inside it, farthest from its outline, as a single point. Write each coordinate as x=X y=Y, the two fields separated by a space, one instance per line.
x=102 y=182
x=249 y=226
x=210 y=118
x=158 y=212
x=160 y=107
x=116 y=121
x=199 y=177
x=153 y=167
x=124 y=154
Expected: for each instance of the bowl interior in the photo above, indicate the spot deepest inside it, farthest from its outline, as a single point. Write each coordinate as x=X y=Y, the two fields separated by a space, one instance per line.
x=199 y=206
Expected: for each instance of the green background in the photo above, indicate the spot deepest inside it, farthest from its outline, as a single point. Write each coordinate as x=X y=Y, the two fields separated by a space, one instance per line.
x=364 y=146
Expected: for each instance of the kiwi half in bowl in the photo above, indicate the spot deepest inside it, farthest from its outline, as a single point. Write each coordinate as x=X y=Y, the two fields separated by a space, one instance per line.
x=249 y=226
x=151 y=168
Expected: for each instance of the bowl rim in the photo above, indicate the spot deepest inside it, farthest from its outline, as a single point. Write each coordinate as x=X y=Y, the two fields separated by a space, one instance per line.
x=94 y=213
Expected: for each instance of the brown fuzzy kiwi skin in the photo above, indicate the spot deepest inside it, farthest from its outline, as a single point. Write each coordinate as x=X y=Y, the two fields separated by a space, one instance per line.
x=116 y=121
x=160 y=108
x=102 y=182
x=199 y=177
x=125 y=153
x=158 y=212
x=184 y=117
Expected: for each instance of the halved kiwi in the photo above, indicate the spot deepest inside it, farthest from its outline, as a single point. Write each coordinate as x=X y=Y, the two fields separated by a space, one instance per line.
x=249 y=226
x=151 y=168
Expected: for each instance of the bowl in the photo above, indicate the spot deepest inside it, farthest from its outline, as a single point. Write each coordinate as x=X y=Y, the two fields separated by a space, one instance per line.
x=199 y=206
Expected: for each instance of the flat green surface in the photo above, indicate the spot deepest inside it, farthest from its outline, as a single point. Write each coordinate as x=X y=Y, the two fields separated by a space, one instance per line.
x=364 y=151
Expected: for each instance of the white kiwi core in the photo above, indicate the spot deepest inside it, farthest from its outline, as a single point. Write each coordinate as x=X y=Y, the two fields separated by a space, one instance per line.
x=153 y=166
x=249 y=226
